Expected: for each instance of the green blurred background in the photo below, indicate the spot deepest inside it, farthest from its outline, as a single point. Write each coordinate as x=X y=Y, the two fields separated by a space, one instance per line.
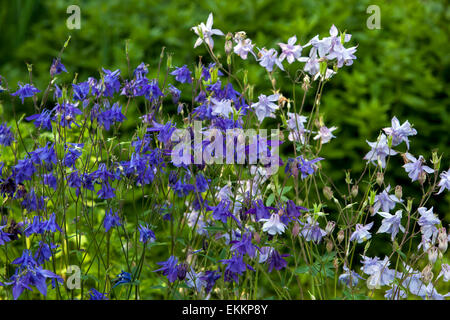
x=401 y=69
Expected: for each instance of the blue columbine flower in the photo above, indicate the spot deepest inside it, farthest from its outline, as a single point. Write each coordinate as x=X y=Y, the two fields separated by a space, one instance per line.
x=80 y=91
x=6 y=136
x=112 y=219
x=146 y=234
x=122 y=278
x=111 y=82
x=245 y=245
x=25 y=91
x=235 y=267
x=182 y=74
x=96 y=295
x=210 y=277
x=169 y=268
x=302 y=166
x=275 y=260
x=43 y=119
x=4 y=237
x=57 y=67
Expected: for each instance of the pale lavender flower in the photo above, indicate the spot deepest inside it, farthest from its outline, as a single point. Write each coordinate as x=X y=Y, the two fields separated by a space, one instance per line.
x=349 y=277
x=380 y=274
x=273 y=225
x=265 y=106
x=264 y=254
x=444 y=183
x=290 y=51
x=385 y=201
x=297 y=130
x=427 y=222
x=222 y=107
x=205 y=32
x=194 y=280
x=391 y=223
x=445 y=272
x=415 y=168
x=343 y=56
x=361 y=233
x=312 y=65
x=268 y=58
x=380 y=150
x=243 y=48
x=400 y=133
x=325 y=134
x=395 y=290
x=312 y=231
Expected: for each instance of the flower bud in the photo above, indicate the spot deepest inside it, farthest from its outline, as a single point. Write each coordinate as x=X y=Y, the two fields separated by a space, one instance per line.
x=354 y=191
x=422 y=177
x=442 y=240
x=306 y=83
x=398 y=192
x=336 y=263
x=329 y=246
x=296 y=229
x=257 y=237
x=327 y=192
x=228 y=47
x=330 y=227
x=181 y=271
x=380 y=178
x=340 y=236
x=427 y=274
x=432 y=255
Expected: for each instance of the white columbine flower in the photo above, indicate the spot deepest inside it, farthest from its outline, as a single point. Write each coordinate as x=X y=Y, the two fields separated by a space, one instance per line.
x=273 y=225
x=205 y=32
x=222 y=107
x=325 y=134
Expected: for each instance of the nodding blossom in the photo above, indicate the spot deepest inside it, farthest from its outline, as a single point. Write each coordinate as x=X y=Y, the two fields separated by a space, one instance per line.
x=349 y=278
x=268 y=58
x=391 y=223
x=380 y=150
x=385 y=201
x=265 y=107
x=296 y=128
x=444 y=183
x=361 y=233
x=273 y=225
x=243 y=47
x=415 y=168
x=325 y=134
x=25 y=91
x=400 y=133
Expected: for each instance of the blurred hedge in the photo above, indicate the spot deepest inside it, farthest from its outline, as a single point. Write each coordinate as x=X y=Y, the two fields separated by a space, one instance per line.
x=402 y=69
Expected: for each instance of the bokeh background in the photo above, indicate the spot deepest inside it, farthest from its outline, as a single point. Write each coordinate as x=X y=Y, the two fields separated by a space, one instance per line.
x=402 y=69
